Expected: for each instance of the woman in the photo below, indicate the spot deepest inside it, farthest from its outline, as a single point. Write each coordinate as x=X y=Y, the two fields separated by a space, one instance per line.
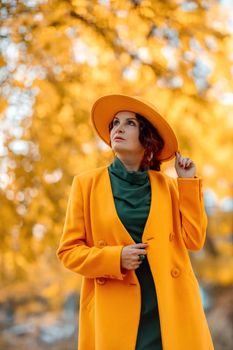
x=128 y=230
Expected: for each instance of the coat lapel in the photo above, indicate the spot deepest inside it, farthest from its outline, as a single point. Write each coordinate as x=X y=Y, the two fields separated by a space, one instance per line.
x=154 y=217
x=117 y=221
x=155 y=212
x=159 y=222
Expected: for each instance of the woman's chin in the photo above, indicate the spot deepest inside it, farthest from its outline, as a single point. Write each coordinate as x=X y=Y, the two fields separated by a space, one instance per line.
x=119 y=148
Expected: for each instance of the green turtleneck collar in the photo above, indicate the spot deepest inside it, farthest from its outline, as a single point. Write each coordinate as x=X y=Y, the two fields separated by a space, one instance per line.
x=136 y=177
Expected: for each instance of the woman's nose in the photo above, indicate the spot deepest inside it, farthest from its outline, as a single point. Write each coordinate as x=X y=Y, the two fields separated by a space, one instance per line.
x=120 y=128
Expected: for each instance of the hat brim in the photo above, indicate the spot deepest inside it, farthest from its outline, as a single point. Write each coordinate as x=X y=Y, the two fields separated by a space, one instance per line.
x=105 y=108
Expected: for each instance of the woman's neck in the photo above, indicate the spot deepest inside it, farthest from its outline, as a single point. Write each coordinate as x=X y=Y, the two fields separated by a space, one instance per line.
x=130 y=163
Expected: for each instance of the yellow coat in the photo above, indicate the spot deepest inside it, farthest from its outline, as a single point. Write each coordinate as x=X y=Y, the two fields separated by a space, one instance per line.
x=91 y=245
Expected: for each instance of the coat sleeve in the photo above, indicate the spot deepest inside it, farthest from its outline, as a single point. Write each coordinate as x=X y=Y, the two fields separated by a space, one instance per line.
x=73 y=251
x=192 y=212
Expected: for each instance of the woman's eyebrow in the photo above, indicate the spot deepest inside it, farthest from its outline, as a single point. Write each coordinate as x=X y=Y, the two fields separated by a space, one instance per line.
x=134 y=119
x=116 y=118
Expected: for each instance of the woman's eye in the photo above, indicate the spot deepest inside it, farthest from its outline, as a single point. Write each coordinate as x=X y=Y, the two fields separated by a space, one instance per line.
x=115 y=122
x=130 y=122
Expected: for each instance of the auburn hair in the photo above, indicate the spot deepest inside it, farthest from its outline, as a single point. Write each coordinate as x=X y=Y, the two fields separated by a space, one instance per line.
x=152 y=142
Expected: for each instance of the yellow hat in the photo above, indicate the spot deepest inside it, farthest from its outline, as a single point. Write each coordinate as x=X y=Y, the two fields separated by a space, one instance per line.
x=105 y=108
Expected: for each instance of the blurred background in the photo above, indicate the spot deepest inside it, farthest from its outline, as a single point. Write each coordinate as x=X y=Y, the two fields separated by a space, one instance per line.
x=57 y=57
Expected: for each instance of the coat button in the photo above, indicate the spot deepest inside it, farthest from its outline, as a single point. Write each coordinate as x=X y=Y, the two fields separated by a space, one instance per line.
x=102 y=243
x=175 y=272
x=101 y=280
x=171 y=236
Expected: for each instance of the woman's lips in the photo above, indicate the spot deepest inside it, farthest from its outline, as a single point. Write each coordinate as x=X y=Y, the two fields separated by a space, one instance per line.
x=118 y=139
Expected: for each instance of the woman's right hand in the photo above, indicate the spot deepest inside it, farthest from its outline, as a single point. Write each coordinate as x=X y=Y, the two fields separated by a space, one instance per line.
x=130 y=255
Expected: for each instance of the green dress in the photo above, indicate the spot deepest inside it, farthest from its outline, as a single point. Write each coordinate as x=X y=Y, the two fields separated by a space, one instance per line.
x=132 y=196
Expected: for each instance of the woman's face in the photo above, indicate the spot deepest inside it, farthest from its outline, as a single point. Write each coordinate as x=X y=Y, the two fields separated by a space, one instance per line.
x=124 y=135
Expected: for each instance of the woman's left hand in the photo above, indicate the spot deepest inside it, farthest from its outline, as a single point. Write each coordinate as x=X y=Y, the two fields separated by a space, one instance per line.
x=184 y=166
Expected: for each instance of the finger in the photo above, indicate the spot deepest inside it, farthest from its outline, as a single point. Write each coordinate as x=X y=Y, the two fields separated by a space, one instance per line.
x=139 y=245
x=133 y=266
x=189 y=161
x=180 y=159
x=134 y=259
x=137 y=252
x=137 y=267
x=182 y=162
x=188 y=164
x=142 y=256
x=138 y=258
x=136 y=263
x=185 y=160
